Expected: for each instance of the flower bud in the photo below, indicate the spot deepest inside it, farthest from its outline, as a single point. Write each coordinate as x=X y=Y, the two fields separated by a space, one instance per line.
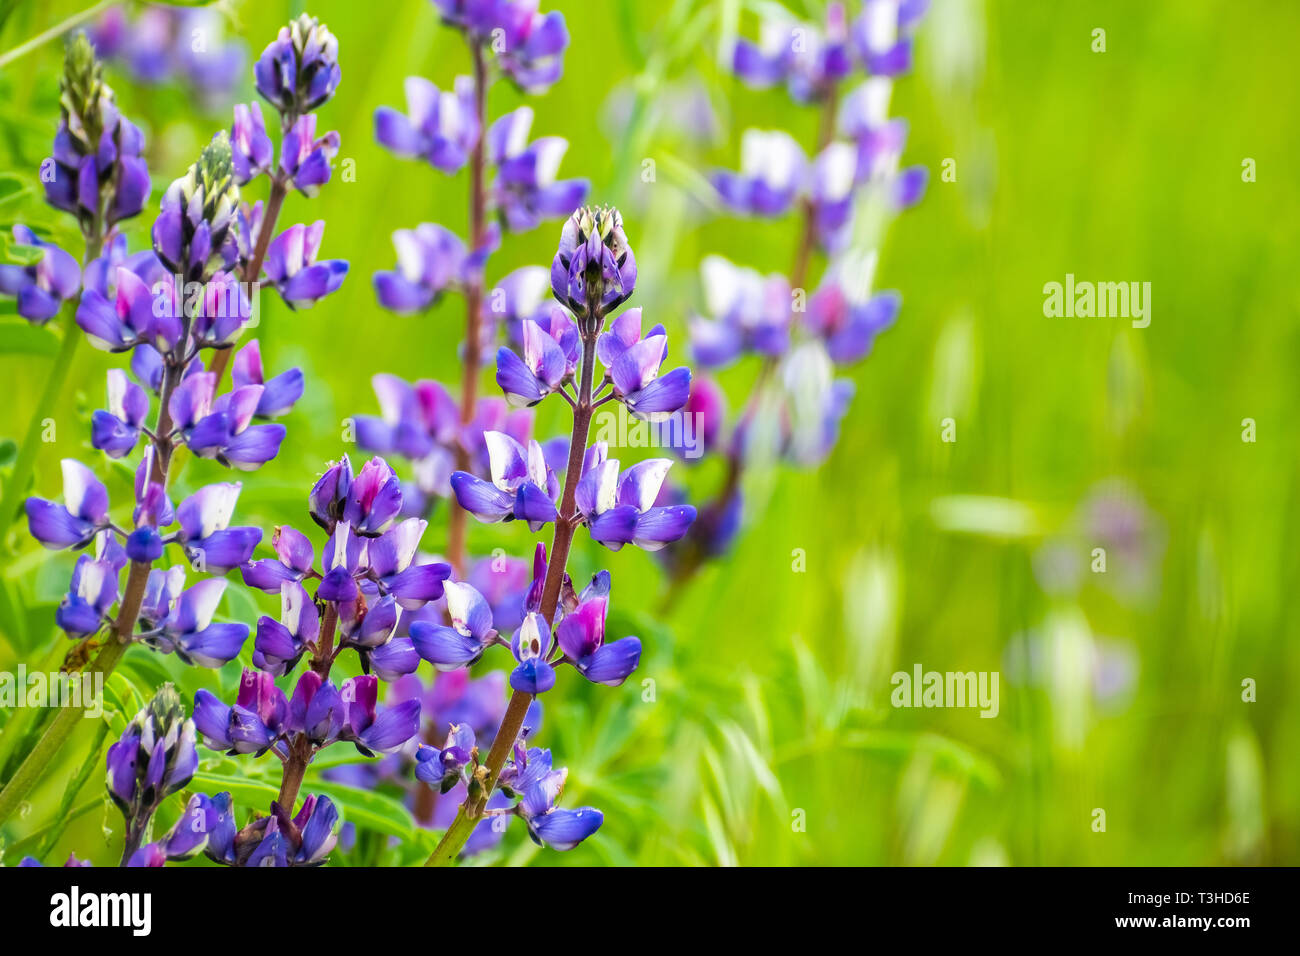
x=154 y=758
x=299 y=70
x=594 y=269
x=196 y=232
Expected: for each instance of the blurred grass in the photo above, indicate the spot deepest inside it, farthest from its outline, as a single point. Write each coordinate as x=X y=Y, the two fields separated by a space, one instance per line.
x=769 y=738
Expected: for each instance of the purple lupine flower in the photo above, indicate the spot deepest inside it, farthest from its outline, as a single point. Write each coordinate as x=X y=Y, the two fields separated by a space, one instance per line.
x=299 y=70
x=909 y=186
x=882 y=35
x=154 y=758
x=42 y=287
x=189 y=632
x=530 y=645
x=394 y=659
x=532 y=46
x=750 y=313
x=814 y=404
x=442 y=128
x=97 y=172
x=503 y=581
x=633 y=369
x=329 y=496
x=550 y=359
x=530 y=775
x=75 y=523
x=523 y=485
x=516 y=296
x=118 y=298
x=251 y=149
x=464 y=641
x=280 y=644
x=279 y=394
x=526 y=191
x=304 y=159
x=830 y=193
x=116 y=430
x=93 y=589
x=619 y=508
x=430 y=260
x=865 y=119
x=374 y=499
x=274 y=840
x=443 y=768
x=193 y=236
x=222 y=428
x=581 y=635
x=594 y=267
x=849 y=327
x=292 y=268
x=370 y=730
x=204 y=533
x=772 y=170
x=391 y=559
x=260 y=716
x=293 y=562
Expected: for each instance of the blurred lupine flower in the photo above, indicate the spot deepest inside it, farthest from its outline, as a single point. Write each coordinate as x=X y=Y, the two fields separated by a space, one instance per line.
x=881 y=35
x=292 y=268
x=42 y=287
x=116 y=430
x=693 y=430
x=157 y=45
x=519 y=295
x=550 y=359
x=419 y=422
x=96 y=172
x=464 y=641
x=299 y=70
x=93 y=590
x=864 y=118
x=750 y=313
x=275 y=840
x=444 y=768
x=192 y=236
x=154 y=758
x=830 y=193
x=83 y=514
x=581 y=636
x=909 y=186
x=430 y=261
x=848 y=328
x=814 y=404
x=619 y=508
x=633 y=368
x=807 y=60
x=530 y=775
x=772 y=172
x=523 y=485
x=251 y=149
x=279 y=394
x=503 y=582
x=526 y=191
x=531 y=52
x=594 y=268
x=304 y=159
x=221 y=428
x=116 y=309
x=441 y=128
x=280 y=644
x=262 y=719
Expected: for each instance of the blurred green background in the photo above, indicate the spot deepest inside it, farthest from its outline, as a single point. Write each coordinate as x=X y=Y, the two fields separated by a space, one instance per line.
x=770 y=738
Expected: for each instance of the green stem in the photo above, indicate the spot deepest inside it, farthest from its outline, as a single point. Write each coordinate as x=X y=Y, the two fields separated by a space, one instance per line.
x=54 y=32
